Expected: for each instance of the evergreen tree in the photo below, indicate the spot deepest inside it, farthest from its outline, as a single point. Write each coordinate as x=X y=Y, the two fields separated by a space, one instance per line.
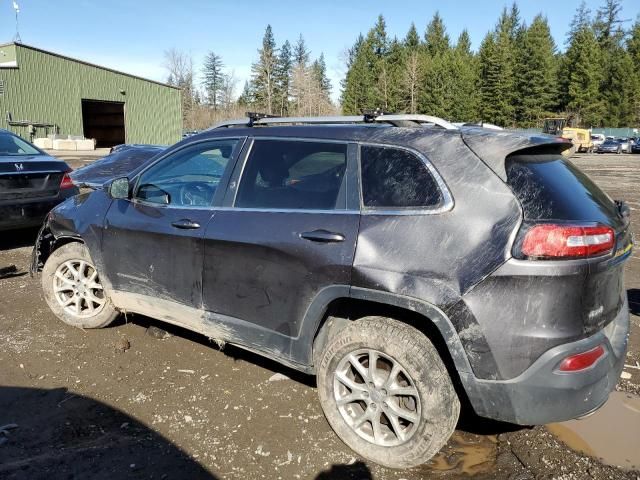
x=301 y=53
x=633 y=47
x=378 y=38
x=536 y=87
x=282 y=79
x=213 y=78
x=263 y=73
x=465 y=77
x=320 y=74
x=367 y=78
x=410 y=72
x=246 y=97
x=497 y=70
x=435 y=37
x=463 y=45
x=412 y=40
x=581 y=68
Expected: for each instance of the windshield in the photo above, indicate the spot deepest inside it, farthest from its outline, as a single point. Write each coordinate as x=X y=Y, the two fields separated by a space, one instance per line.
x=15 y=146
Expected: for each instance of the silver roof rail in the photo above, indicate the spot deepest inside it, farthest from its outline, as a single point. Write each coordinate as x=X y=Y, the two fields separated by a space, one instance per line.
x=338 y=119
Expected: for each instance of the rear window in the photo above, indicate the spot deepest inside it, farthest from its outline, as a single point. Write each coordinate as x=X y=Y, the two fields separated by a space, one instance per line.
x=15 y=146
x=395 y=178
x=552 y=188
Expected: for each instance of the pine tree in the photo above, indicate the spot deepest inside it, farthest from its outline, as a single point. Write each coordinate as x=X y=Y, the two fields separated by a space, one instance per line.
x=409 y=75
x=617 y=81
x=412 y=40
x=320 y=73
x=213 y=78
x=536 y=88
x=246 y=97
x=263 y=73
x=633 y=47
x=583 y=73
x=282 y=79
x=364 y=83
x=465 y=77
x=435 y=37
x=300 y=52
x=497 y=70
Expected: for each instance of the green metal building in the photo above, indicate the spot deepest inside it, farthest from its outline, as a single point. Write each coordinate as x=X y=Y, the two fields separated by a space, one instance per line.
x=43 y=93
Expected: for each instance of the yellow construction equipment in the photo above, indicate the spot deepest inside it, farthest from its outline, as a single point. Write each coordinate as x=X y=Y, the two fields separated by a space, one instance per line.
x=566 y=127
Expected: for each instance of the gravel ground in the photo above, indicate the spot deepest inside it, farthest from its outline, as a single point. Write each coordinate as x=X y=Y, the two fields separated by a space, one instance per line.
x=88 y=404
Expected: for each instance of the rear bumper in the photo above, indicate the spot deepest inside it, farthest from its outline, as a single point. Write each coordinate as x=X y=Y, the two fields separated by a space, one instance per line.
x=541 y=395
x=30 y=213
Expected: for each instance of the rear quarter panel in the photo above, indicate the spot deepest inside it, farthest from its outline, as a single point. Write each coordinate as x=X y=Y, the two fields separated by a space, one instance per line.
x=437 y=258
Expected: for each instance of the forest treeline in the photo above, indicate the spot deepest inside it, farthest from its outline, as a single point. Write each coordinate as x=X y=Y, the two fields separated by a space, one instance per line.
x=518 y=76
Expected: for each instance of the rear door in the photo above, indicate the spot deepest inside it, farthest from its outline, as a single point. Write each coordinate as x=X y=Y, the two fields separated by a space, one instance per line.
x=285 y=235
x=152 y=244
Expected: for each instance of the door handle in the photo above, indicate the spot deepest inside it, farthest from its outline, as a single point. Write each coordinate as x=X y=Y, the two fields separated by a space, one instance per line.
x=186 y=224
x=322 y=236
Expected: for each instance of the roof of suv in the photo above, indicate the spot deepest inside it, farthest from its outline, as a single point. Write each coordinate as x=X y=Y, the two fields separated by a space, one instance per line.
x=490 y=145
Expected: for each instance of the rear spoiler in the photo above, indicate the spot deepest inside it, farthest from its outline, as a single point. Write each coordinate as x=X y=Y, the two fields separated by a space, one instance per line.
x=493 y=147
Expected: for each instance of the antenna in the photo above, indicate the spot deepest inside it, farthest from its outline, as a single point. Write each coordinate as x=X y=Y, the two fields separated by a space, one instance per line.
x=17 y=36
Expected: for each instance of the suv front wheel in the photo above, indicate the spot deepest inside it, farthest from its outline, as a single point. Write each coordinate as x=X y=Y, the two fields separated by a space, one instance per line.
x=73 y=290
x=386 y=392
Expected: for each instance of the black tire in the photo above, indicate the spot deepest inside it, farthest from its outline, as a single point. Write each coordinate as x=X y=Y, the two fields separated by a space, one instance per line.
x=436 y=407
x=75 y=252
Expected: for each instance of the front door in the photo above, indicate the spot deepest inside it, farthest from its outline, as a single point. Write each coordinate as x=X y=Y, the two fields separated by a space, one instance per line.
x=283 y=238
x=152 y=244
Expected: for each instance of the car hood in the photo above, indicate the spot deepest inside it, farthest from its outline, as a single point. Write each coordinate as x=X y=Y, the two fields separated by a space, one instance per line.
x=119 y=163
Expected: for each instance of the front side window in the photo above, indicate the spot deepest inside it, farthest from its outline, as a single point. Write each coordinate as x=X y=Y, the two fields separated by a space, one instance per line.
x=14 y=146
x=289 y=174
x=396 y=178
x=188 y=177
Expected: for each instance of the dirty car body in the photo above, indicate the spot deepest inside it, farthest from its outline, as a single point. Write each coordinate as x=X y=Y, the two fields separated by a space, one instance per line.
x=31 y=183
x=265 y=273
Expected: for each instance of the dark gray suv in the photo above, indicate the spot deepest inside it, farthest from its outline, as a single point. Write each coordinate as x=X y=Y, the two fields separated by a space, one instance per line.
x=409 y=264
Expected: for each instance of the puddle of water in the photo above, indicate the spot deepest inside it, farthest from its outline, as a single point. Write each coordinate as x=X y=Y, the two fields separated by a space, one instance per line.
x=465 y=453
x=611 y=434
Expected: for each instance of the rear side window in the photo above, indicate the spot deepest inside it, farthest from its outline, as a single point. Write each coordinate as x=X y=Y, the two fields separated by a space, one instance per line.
x=290 y=174
x=552 y=188
x=395 y=178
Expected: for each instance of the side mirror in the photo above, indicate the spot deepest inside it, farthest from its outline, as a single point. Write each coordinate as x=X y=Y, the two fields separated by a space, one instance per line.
x=119 y=188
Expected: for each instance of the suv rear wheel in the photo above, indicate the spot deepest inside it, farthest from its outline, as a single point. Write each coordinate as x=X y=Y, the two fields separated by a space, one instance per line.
x=386 y=392
x=73 y=290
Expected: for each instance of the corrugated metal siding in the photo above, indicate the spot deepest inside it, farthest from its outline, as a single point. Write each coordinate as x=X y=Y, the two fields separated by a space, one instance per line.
x=47 y=88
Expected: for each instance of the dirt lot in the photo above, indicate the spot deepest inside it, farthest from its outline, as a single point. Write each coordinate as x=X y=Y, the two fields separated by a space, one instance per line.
x=179 y=407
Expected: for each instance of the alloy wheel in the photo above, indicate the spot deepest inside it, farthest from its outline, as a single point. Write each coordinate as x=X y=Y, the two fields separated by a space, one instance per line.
x=376 y=397
x=77 y=288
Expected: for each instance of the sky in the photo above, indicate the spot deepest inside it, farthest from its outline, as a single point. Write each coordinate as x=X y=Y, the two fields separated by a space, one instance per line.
x=131 y=36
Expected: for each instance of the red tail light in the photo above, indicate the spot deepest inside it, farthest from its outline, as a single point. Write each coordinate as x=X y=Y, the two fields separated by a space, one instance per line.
x=582 y=361
x=551 y=241
x=66 y=182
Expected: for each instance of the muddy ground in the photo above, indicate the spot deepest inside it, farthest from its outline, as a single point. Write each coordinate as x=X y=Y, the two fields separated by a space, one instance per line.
x=179 y=407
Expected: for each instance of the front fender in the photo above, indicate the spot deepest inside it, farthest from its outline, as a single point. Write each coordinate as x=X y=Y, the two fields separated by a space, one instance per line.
x=79 y=218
